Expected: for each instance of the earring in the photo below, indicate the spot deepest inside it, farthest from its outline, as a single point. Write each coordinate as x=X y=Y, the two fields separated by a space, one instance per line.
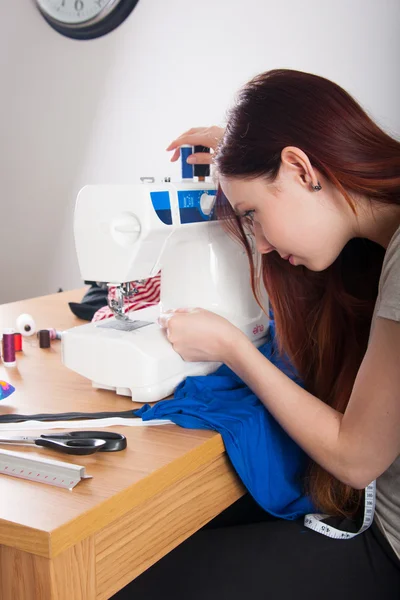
x=317 y=187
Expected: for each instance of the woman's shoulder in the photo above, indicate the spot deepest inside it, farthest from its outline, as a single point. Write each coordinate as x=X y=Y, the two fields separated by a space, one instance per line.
x=395 y=241
x=392 y=255
x=389 y=284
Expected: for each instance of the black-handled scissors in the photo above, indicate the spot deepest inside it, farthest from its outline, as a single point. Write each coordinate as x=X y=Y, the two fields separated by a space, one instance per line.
x=73 y=442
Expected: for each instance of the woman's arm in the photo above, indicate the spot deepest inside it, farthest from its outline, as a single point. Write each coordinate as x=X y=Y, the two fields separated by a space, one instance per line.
x=355 y=447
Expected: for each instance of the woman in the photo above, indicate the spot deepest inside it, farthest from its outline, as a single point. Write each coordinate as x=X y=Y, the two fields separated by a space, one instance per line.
x=318 y=182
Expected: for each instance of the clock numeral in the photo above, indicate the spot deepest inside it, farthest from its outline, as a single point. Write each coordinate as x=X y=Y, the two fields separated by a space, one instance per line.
x=79 y=5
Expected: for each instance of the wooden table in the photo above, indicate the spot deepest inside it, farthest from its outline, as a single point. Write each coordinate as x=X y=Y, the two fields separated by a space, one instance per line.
x=141 y=503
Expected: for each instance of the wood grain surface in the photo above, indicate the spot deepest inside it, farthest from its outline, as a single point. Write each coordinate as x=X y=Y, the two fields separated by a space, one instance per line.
x=141 y=502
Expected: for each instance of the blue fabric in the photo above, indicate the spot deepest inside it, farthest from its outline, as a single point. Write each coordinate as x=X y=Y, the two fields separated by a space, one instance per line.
x=266 y=459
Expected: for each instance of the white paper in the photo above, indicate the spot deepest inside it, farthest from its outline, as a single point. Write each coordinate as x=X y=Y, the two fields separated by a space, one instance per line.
x=85 y=424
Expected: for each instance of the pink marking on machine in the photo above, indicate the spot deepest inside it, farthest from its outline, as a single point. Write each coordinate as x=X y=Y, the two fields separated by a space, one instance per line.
x=258 y=329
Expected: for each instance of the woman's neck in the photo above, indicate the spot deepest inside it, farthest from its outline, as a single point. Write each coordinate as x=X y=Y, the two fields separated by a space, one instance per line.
x=377 y=222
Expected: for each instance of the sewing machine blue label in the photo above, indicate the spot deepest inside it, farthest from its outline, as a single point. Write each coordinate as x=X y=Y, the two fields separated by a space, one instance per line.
x=193 y=205
x=162 y=206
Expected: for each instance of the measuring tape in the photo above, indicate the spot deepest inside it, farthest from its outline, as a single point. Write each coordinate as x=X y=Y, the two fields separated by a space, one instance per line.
x=315 y=523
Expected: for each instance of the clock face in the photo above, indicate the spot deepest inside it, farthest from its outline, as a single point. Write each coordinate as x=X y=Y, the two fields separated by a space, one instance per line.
x=85 y=19
x=76 y=12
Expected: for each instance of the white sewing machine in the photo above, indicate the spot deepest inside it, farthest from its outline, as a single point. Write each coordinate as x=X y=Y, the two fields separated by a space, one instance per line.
x=129 y=232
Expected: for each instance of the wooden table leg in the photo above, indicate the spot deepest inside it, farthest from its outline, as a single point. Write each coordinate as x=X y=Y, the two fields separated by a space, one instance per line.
x=68 y=576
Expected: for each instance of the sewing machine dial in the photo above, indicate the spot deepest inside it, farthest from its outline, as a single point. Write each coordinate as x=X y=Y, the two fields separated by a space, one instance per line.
x=207 y=202
x=85 y=19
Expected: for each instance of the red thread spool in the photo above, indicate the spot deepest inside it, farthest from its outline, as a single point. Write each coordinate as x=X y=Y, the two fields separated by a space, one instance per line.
x=18 y=342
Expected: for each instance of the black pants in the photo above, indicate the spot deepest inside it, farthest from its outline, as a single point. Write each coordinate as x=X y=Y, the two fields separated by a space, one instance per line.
x=247 y=554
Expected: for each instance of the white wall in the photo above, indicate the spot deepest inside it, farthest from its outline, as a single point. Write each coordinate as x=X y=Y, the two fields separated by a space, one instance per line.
x=103 y=111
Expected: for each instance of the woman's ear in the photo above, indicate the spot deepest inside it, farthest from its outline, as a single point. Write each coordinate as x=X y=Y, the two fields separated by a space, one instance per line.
x=297 y=162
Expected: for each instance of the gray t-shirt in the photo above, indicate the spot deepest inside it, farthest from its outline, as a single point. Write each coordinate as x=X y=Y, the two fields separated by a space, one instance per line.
x=388 y=484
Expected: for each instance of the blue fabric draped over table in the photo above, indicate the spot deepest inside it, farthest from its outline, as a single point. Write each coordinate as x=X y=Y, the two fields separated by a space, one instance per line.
x=270 y=464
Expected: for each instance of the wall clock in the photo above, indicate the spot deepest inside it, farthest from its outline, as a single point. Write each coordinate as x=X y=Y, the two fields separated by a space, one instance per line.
x=85 y=19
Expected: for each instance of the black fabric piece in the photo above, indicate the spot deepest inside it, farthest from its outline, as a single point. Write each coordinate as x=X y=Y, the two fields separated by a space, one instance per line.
x=94 y=299
x=71 y=416
x=246 y=553
x=82 y=311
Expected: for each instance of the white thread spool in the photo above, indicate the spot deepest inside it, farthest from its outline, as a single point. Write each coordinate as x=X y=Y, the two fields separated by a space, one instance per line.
x=25 y=325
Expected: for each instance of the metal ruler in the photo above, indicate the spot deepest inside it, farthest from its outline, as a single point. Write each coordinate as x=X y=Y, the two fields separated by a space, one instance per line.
x=44 y=470
x=315 y=521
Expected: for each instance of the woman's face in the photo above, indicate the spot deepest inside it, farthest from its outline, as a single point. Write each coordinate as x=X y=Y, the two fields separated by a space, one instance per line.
x=304 y=226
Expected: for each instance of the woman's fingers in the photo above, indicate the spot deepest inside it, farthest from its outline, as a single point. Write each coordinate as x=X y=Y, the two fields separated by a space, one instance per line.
x=164 y=318
x=176 y=155
x=200 y=158
x=184 y=135
x=199 y=136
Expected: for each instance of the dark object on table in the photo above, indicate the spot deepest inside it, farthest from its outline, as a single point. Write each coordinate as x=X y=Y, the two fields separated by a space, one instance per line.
x=94 y=299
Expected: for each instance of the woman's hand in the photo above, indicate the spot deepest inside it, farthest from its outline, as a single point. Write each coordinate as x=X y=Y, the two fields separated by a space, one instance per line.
x=198 y=136
x=199 y=335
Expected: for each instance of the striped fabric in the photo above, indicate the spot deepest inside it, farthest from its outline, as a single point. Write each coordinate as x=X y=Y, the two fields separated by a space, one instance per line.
x=148 y=294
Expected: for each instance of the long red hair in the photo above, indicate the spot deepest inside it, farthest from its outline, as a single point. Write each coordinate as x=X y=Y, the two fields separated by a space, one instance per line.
x=322 y=318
